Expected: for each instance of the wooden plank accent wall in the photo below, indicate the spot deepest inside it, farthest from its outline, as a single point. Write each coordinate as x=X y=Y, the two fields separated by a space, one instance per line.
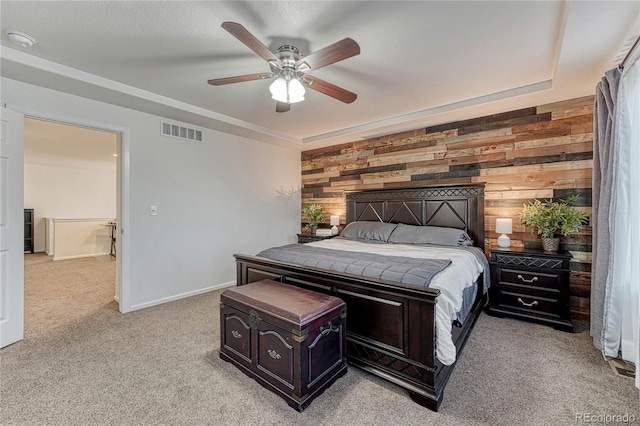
x=538 y=152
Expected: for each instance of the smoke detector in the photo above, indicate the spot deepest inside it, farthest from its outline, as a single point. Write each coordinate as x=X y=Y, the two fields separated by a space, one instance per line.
x=22 y=39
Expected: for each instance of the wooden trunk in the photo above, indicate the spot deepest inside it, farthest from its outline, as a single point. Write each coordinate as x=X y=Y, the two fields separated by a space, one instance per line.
x=290 y=340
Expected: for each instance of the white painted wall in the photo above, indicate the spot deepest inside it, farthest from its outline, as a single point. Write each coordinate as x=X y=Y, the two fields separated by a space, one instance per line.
x=67 y=193
x=214 y=199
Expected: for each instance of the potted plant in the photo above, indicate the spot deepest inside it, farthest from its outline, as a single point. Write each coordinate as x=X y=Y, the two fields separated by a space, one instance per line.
x=315 y=215
x=553 y=217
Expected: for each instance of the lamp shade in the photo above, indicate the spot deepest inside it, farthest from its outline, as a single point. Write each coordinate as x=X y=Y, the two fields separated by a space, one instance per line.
x=296 y=91
x=504 y=225
x=278 y=90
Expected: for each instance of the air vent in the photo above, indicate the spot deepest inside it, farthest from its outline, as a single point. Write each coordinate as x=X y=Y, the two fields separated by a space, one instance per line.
x=178 y=131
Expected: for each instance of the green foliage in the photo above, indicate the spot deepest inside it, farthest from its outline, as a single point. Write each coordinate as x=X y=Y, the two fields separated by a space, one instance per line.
x=314 y=213
x=551 y=217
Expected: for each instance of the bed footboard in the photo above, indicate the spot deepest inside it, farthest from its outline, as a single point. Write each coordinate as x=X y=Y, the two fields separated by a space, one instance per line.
x=390 y=327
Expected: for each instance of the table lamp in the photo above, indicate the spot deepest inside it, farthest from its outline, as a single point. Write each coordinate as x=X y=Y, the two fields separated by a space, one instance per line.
x=334 y=221
x=504 y=226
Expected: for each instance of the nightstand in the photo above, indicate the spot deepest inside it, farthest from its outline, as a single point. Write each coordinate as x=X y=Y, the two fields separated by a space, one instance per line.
x=308 y=238
x=531 y=285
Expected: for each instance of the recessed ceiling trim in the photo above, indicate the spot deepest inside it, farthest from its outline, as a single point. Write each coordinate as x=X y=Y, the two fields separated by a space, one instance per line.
x=85 y=77
x=566 y=6
x=378 y=125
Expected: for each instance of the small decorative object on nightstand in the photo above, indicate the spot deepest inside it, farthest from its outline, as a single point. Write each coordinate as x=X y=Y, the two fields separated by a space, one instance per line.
x=504 y=226
x=314 y=214
x=553 y=217
x=531 y=285
x=334 y=221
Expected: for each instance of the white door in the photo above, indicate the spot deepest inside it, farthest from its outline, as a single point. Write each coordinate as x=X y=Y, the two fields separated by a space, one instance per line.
x=11 y=227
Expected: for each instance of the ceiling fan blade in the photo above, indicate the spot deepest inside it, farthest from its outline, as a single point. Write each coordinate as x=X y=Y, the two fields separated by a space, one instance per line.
x=238 y=79
x=242 y=34
x=329 y=89
x=282 y=107
x=331 y=54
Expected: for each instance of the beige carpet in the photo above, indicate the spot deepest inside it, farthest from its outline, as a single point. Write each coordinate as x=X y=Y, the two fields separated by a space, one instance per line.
x=57 y=294
x=93 y=365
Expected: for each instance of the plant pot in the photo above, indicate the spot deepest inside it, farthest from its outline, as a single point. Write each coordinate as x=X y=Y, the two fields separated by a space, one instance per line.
x=313 y=230
x=550 y=244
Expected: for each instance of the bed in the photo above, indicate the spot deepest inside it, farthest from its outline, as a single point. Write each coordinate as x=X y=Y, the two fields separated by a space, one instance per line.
x=391 y=326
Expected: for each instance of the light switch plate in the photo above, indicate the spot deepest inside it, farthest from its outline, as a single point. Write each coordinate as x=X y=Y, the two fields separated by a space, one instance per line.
x=153 y=210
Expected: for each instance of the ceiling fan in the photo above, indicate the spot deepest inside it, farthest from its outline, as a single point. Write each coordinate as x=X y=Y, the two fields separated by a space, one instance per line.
x=290 y=68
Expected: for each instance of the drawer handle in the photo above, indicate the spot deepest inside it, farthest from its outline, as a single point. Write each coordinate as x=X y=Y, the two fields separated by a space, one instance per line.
x=534 y=303
x=534 y=279
x=236 y=334
x=328 y=329
x=273 y=354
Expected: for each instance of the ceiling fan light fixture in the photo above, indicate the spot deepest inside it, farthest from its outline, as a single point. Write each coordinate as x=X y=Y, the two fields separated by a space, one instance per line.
x=287 y=91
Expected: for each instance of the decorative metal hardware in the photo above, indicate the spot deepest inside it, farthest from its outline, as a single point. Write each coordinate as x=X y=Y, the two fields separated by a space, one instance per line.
x=254 y=319
x=273 y=354
x=534 y=279
x=328 y=329
x=236 y=334
x=534 y=303
x=298 y=337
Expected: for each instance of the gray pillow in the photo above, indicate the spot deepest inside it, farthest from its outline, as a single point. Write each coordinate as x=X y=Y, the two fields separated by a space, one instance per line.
x=410 y=234
x=378 y=231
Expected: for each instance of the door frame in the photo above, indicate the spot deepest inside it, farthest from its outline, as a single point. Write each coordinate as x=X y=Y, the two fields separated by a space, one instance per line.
x=123 y=266
x=12 y=233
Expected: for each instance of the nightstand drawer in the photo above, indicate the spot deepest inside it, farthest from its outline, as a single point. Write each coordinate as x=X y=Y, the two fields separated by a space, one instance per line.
x=529 y=300
x=530 y=278
x=545 y=262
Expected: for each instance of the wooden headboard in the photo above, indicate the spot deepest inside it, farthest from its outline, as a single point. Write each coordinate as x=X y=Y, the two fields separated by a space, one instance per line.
x=452 y=206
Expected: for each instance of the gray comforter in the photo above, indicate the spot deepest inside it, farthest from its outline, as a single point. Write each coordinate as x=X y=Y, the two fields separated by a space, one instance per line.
x=405 y=270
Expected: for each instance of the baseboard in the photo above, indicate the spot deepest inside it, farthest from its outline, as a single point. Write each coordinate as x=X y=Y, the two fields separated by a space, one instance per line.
x=79 y=256
x=182 y=295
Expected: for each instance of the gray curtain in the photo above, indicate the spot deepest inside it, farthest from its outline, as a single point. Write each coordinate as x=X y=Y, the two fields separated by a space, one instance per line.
x=603 y=175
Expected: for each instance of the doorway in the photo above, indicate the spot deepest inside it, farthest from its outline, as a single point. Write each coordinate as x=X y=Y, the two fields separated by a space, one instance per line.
x=70 y=193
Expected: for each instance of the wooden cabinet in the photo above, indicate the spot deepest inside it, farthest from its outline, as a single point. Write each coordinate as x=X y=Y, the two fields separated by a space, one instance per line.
x=28 y=230
x=308 y=238
x=531 y=285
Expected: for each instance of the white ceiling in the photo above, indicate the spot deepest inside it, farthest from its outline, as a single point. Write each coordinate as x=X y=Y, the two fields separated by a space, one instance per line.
x=56 y=144
x=421 y=63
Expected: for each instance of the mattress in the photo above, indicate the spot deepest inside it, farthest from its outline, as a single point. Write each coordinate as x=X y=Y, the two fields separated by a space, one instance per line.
x=455 y=282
